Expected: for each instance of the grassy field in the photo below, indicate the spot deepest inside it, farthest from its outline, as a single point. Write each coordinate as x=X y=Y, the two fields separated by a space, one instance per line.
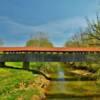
x=15 y=84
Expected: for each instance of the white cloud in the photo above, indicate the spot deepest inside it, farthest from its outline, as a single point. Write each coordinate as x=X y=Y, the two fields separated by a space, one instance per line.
x=60 y=29
x=59 y=26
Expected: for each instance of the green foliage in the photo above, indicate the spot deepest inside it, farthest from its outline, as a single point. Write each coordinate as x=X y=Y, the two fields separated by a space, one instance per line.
x=40 y=40
x=38 y=43
x=87 y=38
x=46 y=67
x=90 y=37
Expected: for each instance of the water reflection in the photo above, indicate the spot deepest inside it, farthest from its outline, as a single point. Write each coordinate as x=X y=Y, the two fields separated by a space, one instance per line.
x=61 y=87
x=83 y=98
x=72 y=90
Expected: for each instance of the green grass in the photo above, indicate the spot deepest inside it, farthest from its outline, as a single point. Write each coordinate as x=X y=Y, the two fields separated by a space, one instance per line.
x=9 y=84
x=15 y=64
x=15 y=94
x=11 y=78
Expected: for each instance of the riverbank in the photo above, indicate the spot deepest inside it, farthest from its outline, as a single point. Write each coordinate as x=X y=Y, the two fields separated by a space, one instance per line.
x=76 y=90
x=21 y=85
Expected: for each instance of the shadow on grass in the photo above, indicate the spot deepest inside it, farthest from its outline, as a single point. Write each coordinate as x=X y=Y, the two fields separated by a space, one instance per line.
x=51 y=78
x=30 y=70
x=74 y=96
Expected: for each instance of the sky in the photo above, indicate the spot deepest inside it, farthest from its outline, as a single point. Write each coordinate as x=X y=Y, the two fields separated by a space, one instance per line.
x=59 y=19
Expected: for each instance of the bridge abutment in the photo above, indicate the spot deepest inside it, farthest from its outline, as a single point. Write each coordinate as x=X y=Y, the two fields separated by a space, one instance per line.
x=2 y=64
x=26 y=65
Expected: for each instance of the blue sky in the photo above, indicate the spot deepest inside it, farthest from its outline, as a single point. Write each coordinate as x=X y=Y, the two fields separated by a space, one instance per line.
x=60 y=19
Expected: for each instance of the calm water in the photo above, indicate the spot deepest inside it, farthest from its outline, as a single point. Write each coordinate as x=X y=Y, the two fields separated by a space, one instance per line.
x=89 y=98
x=64 y=90
x=73 y=90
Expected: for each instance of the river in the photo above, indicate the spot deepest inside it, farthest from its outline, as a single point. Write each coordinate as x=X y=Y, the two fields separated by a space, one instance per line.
x=73 y=90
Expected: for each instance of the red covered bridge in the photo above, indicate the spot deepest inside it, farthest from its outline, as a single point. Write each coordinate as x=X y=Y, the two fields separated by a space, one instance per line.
x=56 y=54
x=55 y=49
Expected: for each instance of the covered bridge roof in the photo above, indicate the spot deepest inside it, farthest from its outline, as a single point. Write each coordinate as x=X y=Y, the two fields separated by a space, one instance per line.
x=54 y=49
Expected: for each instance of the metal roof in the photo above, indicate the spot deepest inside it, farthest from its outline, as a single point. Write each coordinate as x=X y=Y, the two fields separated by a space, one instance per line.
x=54 y=49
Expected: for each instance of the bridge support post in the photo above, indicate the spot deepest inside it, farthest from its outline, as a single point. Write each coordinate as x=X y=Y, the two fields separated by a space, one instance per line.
x=2 y=64
x=26 y=65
